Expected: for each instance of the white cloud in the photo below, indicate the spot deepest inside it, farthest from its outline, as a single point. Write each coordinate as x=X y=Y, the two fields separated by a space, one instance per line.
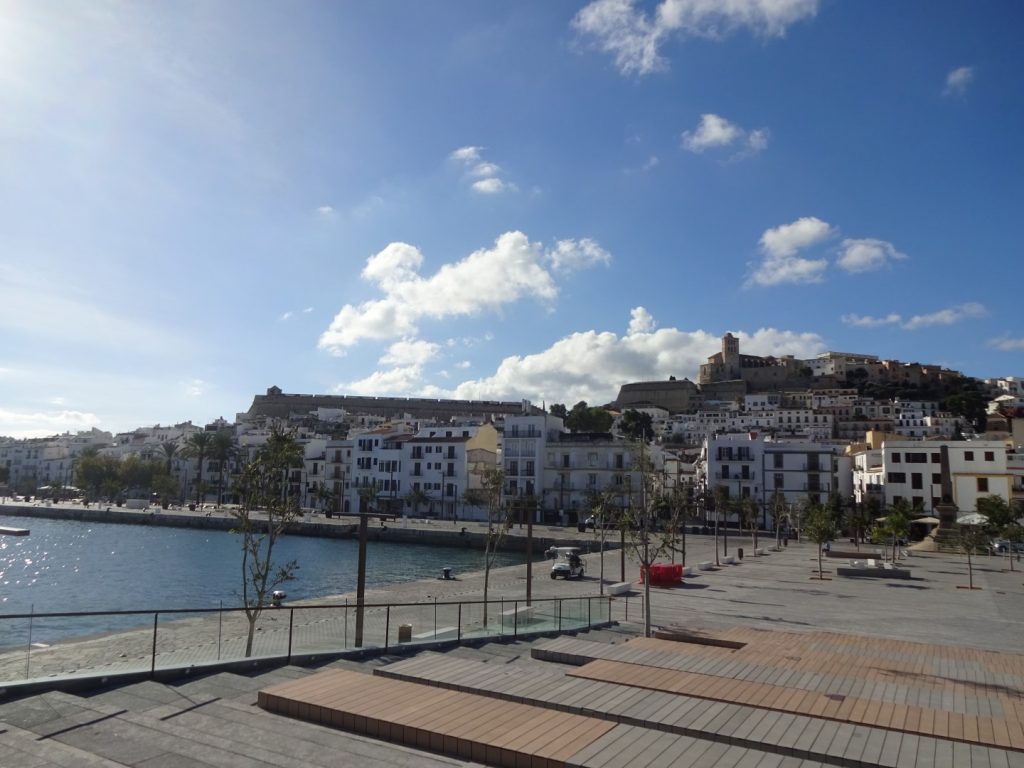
x=867 y=321
x=466 y=154
x=949 y=316
x=409 y=352
x=640 y=321
x=867 y=254
x=57 y=400
x=958 y=81
x=485 y=169
x=1007 y=343
x=396 y=381
x=307 y=310
x=592 y=365
x=485 y=172
x=713 y=131
x=325 y=210
x=491 y=186
x=781 y=246
x=20 y=424
x=463 y=364
x=195 y=388
x=286 y=315
x=634 y=38
x=787 y=239
x=483 y=281
x=572 y=256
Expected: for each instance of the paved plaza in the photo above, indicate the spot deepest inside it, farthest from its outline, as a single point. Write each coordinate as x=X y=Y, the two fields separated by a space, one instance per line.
x=877 y=647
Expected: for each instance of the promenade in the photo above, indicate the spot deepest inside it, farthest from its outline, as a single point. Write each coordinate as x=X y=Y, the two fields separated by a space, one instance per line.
x=924 y=619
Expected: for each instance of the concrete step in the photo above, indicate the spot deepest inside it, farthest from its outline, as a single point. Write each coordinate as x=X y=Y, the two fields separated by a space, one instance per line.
x=20 y=748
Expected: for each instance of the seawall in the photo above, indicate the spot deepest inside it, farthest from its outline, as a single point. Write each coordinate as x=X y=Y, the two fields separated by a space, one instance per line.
x=471 y=535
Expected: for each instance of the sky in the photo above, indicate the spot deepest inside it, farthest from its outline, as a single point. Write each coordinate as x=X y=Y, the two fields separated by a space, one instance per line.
x=532 y=200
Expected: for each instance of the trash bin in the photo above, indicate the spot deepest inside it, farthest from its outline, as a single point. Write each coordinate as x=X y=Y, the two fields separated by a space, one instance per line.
x=581 y=527
x=405 y=633
x=739 y=552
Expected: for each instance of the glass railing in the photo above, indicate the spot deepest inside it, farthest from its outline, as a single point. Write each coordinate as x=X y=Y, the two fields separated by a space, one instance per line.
x=39 y=646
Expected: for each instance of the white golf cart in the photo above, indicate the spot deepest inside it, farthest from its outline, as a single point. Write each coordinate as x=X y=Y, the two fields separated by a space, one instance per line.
x=568 y=563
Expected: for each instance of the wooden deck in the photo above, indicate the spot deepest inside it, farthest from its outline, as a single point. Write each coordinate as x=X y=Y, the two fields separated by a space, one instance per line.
x=780 y=699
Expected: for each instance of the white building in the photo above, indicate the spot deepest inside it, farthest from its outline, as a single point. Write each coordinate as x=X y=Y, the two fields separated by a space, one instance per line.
x=913 y=472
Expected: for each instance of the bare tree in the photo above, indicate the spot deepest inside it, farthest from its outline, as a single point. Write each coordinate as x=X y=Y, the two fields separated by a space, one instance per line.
x=499 y=519
x=263 y=487
x=603 y=509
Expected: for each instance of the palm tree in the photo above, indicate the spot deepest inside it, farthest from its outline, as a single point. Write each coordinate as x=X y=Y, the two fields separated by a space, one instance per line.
x=325 y=496
x=415 y=497
x=170 y=449
x=222 y=449
x=197 y=446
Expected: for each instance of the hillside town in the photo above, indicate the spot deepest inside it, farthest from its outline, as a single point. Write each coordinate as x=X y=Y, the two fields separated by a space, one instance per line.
x=850 y=430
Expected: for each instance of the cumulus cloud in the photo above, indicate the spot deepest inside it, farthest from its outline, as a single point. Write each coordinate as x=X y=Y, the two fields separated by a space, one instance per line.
x=491 y=186
x=867 y=254
x=591 y=365
x=634 y=38
x=640 y=321
x=484 y=281
x=958 y=81
x=325 y=210
x=572 y=255
x=466 y=154
x=396 y=381
x=948 y=316
x=486 y=174
x=21 y=424
x=410 y=352
x=715 y=132
x=1007 y=343
x=781 y=246
x=868 y=321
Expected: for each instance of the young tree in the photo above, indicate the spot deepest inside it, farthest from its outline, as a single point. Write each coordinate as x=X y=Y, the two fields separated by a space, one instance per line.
x=971 y=538
x=263 y=486
x=602 y=507
x=499 y=520
x=897 y=524
x=780 y=515
x=1013 y=533
x=858 y=521
x=820 y=527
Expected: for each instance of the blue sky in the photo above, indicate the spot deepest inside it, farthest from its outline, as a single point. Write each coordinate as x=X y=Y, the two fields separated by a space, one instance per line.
x=537 y=200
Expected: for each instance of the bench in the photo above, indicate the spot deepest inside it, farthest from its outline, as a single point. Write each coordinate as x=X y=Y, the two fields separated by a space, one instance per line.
x=687 y=570
x=522 y=614
x=759 y=552
x=621 y=588
x=730 y=560
x=441 y=633
x=707 y=565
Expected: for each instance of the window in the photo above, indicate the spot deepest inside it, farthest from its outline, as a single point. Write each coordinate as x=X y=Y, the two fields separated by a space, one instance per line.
x=968 y=455
x=565 y=460
x=897 y=477
x=915 y=481
x=990 y=455
x=777 y=461
x=936 y=458
x=917 y=458
x=917 y=502
x=982 y=485
x=779 y=480
x=936 y=478
x=895 y=458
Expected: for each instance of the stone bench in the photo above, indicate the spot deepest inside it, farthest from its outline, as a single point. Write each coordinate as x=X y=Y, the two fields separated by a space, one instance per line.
x=441 y=633
x=687 y=570
x=707 y=565
x=759 y=552
x=730 y=560
x=621 y=588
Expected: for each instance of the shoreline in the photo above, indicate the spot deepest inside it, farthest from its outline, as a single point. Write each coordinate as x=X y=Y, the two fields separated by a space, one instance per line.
x=414 y=530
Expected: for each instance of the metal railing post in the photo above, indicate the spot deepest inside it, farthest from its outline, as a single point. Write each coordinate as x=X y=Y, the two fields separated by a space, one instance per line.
x=590 y=621
x=152 y=663
x=559 y=614
x=291 y=623
x=515 y=619
x=459 y=632
x=387 y=625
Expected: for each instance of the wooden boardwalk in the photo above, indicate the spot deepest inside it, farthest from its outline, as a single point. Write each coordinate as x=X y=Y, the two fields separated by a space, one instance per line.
x=780 y=699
